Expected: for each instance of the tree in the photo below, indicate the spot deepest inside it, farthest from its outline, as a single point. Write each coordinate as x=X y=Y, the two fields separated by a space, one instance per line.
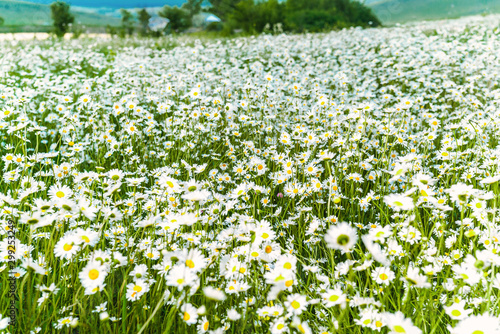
x=223 y=8
x=2 y=21
x=297 y=15
x=127 y=23
x=62 y=17
x=193 y=7
x=319 y=15
x=270 y=12
x=111 y=30
x=144 y=18
x=179 y=18
x=243 y=16
x=364 y=15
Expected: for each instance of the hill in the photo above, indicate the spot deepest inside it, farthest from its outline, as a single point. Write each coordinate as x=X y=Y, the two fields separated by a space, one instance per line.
x=20 y=13
x=394 y=11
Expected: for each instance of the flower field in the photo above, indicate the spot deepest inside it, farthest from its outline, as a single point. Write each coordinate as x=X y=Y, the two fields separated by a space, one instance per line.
x=319 y=183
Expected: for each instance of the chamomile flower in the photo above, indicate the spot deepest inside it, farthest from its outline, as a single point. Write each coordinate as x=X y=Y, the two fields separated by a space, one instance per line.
x=180 y=276
x=189 y=314
x=204 y=325
x=383 y=275
x=93 y=275
x=476 y=324
x=66 y=322
x=397 y=323
x=233 y=315
x=214 y=294
x=4 y=322
x=137 y=289
x=59 y=192
x=457 y=310
x=399 y=202
x=341 y=237
x=67 y=247
x=296 y=303
x=333 y=297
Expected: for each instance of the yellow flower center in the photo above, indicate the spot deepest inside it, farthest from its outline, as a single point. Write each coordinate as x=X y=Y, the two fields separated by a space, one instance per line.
x=399 y=329
x=93 y=274
x=333 y=298
x=190 y=263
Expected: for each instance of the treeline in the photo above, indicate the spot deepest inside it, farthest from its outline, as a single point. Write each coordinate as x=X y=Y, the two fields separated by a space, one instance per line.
x=293 y=15
x=254 y=16
x=250 y=16
x=179 y=20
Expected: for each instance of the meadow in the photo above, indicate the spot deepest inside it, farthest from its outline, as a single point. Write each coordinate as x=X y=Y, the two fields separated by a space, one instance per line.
x=342 y=182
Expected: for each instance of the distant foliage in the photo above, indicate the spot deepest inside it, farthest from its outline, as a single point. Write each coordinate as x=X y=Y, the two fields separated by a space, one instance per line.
x=62 y=17
x=127 y=27
x=76 y=30
x=144 y=18
x=181 y=18
x=224 y=8
x=256 y=16
x=253 y=16
x=193 y=7
x=296 y=15
x=111 y=30
x=2 y=21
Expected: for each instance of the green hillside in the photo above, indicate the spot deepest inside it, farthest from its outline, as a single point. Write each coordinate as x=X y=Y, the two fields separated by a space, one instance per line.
x=18 y=13
x=394 y=11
